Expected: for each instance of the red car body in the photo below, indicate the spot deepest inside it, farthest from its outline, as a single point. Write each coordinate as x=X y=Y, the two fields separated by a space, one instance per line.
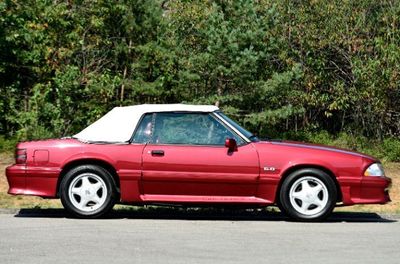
x=187 y=174
x=176 y=176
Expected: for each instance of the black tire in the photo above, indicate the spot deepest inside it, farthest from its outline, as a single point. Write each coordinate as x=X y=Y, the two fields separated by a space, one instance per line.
x=93 y=176
x=310 y=203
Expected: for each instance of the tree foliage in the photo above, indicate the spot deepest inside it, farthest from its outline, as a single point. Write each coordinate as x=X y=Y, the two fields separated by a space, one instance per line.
x=277 y=66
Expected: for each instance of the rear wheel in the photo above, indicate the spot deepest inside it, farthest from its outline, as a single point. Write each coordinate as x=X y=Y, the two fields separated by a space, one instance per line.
x=88 y=191
x=308 y=195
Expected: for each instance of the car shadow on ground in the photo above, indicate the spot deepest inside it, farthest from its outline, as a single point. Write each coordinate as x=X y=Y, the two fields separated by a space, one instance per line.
x=215 y=214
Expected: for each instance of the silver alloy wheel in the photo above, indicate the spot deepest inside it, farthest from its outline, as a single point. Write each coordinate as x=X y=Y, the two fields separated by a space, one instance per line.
x=309 y=195
x=87 y=192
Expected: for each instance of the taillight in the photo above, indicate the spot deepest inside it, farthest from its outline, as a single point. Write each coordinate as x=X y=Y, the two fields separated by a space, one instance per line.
x=20 y=156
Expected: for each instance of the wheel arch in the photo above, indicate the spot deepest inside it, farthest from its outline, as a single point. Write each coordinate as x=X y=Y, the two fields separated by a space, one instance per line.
x=88 y=161
x=288 y=171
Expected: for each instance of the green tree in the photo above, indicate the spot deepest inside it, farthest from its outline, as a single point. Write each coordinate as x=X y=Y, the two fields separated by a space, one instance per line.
x=280 y=67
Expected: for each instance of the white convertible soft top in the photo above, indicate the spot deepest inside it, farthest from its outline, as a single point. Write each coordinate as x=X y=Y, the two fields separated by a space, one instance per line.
x=118 y=124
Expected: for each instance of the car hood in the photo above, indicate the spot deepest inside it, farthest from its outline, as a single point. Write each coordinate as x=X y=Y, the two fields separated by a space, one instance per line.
x=309 y=146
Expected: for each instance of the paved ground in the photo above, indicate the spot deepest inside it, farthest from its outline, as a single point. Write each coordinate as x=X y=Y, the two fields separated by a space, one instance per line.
x=49 y=236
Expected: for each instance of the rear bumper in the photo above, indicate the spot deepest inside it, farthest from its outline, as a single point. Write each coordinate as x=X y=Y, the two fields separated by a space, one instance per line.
x=16 y=179
x=367 y=190
x=39 y=181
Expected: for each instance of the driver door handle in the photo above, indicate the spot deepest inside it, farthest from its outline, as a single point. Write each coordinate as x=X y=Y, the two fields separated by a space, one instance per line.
x=157 y=152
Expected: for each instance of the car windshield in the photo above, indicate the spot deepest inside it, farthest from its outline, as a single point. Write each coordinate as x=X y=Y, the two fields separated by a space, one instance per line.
x=244 y=132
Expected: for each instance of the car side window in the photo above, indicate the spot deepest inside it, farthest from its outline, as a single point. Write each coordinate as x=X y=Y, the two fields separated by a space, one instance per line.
x=190 y=129
x=143 y=131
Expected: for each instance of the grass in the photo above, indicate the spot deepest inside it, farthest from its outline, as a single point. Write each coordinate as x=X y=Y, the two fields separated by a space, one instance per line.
x=11 y=201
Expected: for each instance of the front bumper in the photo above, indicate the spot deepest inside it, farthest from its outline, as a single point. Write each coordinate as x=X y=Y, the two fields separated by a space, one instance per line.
x=367 y=190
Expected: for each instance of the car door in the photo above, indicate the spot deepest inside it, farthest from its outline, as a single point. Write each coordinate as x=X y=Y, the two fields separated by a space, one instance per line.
x=186 y=157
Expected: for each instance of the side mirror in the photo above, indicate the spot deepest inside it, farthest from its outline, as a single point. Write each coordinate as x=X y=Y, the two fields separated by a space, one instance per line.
x=231 y=144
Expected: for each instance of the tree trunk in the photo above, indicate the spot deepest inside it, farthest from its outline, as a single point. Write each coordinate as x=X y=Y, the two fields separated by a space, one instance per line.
x=125 y=72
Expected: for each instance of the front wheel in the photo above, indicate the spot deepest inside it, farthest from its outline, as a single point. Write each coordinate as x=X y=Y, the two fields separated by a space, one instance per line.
x=88 y=191
x=308 y=195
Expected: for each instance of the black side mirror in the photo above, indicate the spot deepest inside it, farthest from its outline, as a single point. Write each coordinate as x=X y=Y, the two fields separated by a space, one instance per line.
x=231 y=144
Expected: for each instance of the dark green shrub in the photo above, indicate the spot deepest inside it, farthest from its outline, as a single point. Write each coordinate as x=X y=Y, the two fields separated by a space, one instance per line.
x=391 y=148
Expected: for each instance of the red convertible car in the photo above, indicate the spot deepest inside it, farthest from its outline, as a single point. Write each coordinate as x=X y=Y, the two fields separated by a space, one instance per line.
x=191 y=155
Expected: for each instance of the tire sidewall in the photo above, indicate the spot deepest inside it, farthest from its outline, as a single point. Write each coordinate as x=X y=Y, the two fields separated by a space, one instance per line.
x=100 y=172
x=292 y=178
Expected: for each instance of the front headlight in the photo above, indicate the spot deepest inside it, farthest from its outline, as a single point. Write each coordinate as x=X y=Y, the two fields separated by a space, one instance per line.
x=375 y=169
